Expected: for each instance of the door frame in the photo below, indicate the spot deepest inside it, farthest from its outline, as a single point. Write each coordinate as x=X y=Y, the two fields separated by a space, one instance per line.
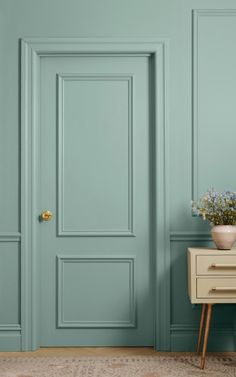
x=32 y=50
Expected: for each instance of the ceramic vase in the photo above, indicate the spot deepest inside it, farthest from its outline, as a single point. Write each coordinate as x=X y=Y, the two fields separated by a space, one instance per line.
x=224 y=236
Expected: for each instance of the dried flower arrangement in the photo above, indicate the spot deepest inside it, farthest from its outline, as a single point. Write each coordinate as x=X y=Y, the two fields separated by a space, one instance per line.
x=217 y=208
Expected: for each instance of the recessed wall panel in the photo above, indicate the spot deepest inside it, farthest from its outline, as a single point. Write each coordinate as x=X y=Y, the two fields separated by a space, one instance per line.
x=10 y=285
x=96 y=292
x=214 y=100
x=95 y=155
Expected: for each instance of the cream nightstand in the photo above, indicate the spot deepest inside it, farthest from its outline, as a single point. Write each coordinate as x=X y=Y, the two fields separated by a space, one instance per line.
x=211 y=280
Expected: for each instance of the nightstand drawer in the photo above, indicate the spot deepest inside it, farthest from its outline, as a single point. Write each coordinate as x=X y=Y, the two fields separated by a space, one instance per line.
x=216 y=288
x=216 y=265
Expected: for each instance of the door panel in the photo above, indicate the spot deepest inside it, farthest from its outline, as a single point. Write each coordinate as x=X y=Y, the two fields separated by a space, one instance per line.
x=95 y=254
x=82 y=307
x=95 y=131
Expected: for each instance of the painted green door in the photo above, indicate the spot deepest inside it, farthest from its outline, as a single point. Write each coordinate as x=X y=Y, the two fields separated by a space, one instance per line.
x=94 y=176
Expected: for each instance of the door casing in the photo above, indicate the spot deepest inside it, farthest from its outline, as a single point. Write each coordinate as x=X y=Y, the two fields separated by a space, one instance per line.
x=32 y=50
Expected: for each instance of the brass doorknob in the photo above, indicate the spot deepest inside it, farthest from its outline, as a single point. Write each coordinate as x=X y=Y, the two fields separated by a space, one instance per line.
x=46 y=216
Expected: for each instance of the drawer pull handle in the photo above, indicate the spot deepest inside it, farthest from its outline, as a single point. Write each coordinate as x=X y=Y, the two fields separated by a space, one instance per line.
x=223 y=265
x=214 y=289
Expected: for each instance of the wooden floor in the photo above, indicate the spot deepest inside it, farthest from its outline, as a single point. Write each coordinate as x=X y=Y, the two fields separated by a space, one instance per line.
x=86 y=351
x=101 y=351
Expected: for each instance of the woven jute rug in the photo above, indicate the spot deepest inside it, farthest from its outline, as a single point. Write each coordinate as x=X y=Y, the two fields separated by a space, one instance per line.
x=133 y=366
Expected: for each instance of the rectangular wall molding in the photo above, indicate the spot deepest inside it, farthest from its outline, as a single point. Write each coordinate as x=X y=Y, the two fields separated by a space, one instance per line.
x=76 y=311
x=79 y=228
x=10 y=237
x=213 y=77
x=10 y=327
x=194 y=329
x=190 y=236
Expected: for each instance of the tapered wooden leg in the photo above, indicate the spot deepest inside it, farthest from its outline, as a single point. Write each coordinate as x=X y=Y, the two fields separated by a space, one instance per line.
x=201 y=327
x=208 y=322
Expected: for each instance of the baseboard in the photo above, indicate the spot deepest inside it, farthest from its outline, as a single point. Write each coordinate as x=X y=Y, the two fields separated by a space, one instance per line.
x=10 y=341
x=184 y=339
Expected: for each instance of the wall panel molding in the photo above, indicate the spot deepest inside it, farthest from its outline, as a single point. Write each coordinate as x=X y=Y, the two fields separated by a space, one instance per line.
x=195 y=328
x=197 y=14
x=61 y=79
x=61 y=317
x=10 y=237
x=10 y=327
x=190 y=236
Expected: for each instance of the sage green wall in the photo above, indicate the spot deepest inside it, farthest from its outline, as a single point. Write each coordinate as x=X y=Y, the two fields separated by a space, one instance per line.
x=194 y=163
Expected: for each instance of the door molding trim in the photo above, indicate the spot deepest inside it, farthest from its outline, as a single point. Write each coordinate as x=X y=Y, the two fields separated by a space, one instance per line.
x=32 y=49
x=63 y=231
x=129 y=260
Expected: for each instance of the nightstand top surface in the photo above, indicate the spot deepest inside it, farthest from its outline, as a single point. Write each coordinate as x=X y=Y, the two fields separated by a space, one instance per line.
x=213 y=251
